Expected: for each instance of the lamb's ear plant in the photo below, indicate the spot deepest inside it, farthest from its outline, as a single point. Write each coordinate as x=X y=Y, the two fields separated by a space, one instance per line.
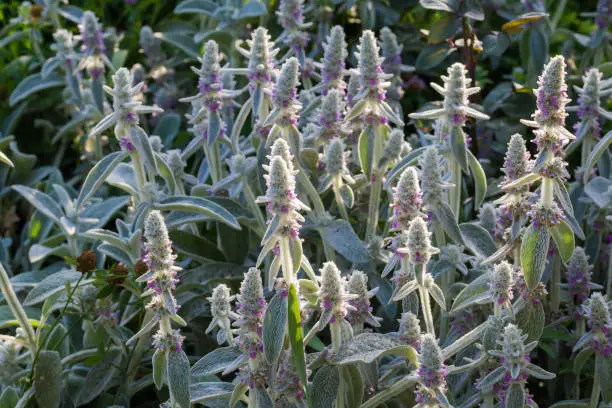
x=328 y=256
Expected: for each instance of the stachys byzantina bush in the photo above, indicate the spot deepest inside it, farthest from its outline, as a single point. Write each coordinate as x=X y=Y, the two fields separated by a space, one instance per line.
x=299 y=233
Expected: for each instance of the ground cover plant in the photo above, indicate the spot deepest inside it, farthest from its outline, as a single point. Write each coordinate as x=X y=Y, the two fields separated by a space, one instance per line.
x=306 y=204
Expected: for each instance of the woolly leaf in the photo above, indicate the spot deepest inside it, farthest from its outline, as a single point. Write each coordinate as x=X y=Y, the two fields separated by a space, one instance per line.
x=296 y=338
x=178 y=377
x=274 y=327
x=97 y=175
x=367 y=347
x=563 y=236
x=478 y=240
x=47 y=383
x=341 y=236
x=534 y=253
x=99 y=377
x=325 y=386
x=32 y=84
x=206 y=391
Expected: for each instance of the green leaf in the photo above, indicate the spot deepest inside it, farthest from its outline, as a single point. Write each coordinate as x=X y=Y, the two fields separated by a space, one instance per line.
x=296 y=338
x=341 y=236
x=216 y=361
x=444 y=215
x=99 y=377
x=432 y=55
x=564 y=240
x=495 y=44
x=275 y=327
x=195 y=246
x=159 y=368
x=53 y=284
x=603 y=369
x=207 y=391
x=531 y=319
x=98 y=175
x=367 y=347
x=47 y=383
x=409 y=160
x=517 y=25
x=480 y=179
x=596 y=153
x=534 y=253
x=538 y=46
x=42 y=202
x=184 y=42
x=177 y=375
x=443 y=5
x=492 y=378
x=32 y=84
x=580 y=360
x=9 y=398
x=475 y=292
x=325 y=387
x=352 y=384
x=459 y=147
x=196 y=6
x=515 y=396
x=443 y=28
x=478 y=240
x=144 y=149
x=200 y=206
x=365 y=147
x=253 y=8
x=167 y=127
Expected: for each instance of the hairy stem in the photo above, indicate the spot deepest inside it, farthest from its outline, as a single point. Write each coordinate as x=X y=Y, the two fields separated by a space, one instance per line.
x=17 y=309
x=375 y=187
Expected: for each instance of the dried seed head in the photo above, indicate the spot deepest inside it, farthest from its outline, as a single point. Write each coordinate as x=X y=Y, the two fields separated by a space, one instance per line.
x=552 y=94
x=410 y=329
x=86 y=262
x=406 y=200
x=579 y=276
x=517 y=162
x=501 y=283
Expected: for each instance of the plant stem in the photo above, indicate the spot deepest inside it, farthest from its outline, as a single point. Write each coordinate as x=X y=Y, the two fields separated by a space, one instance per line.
x=375 y=187
x=596 y=390
x=455 y=191
x=141 y=177
x=546 y=197
x=396 y=389
x=15 y=306
x=555 y=288
x=426 y=306
x=339 y=201
x=250 y=198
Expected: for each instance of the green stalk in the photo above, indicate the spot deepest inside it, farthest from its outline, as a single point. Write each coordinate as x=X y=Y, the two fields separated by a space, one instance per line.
x=426 y=306
x=393 y=391
x=141 y=177
x=250 y=199
x=376 y=187
x=17 y=309
x=455 y=191
x=555 y=288
x=339 y=201
x=596 y=390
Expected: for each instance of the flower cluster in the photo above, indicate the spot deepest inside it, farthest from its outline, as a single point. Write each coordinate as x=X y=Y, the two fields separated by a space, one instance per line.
x=392 y=64
x=161 y=281
x=151 y=46
x=419 y=247
x=597 y=312
x=333 y=62
x=362 y=313
x=406 y=200
x=579 y=277
x=291 y=17
x=333 y=296
x=432 y=373
x=410 y=329
x=501 y=284
x=125 y=109
x=251 y=307
x=92 y=40
x=222 y=314
x=64 y=49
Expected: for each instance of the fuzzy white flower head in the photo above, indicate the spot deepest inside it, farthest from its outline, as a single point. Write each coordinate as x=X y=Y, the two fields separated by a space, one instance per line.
x=391 y=51
x=501 y=284
x=281 y=148
x=251 y=308
x=410 y=329
x=333 y=62
x=286 y=84
x=151 y=46
x=393 y=148
x=514 y=351
x=597 y=310
x=419 y=242
x=358 y=287
x=487 y=217
x=372 y=79
x=261 y=65
x=589 y=100
x=579 y=276
x=159 y=255
x=552 y=94
x=64 y=47
x=352 y=89
x=430 y=356
x=406 y=200
x=431 y=173
x=221 y=311
x=8 y=360
x=332 y=294
x=330 y=118
x=517 y=162
x=335 y=158
x=176 y=164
